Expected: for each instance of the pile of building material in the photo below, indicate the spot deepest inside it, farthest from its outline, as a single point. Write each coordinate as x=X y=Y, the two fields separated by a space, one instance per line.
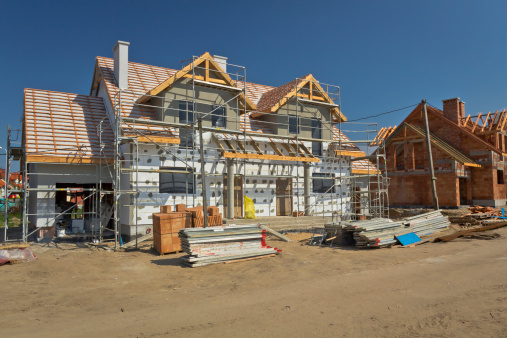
x=165 y=230
x=479 y=216
x=384 y=232
x=214 y=217
x=224 y=244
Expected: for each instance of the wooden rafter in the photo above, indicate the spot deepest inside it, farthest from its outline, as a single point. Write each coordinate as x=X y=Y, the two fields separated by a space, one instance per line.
x=289 y=150
x=241 y=145
x=493 y=120
x=477 y=122
x=504 y=116
x=467 y=119
x=255 y=145
x=303 y=82
x=275 y=148
x=305 y=149
x=485 y=122
x=207 y=59
x=298 y=150
x=231 y=147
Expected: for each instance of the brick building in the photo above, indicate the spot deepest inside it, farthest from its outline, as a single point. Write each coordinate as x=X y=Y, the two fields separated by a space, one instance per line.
x=468 y=155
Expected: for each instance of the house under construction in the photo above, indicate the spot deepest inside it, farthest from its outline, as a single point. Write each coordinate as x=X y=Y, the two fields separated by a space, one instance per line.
x=468 y=152
x=148 y=136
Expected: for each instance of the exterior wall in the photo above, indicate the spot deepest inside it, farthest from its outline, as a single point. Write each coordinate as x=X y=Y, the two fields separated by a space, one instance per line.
x=205 y=98
x=482 y=183
x=305 y=114
x=41 y=204
x=259 y=184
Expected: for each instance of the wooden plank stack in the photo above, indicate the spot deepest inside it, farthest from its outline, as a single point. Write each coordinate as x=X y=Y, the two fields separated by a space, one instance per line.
x=219 y=244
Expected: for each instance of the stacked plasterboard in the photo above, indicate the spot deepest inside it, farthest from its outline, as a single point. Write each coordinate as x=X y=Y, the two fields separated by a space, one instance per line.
x=383 y=232
x=223 y=243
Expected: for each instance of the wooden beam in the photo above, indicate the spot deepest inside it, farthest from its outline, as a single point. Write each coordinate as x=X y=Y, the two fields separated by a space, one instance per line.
x=305 y=149
x=476 y=122
x=504 y=115
x=269 y=157
x=286 y=146
x=350 y=153
x=241 y=146
x=364 y=172
x=493 y=120
x=255 y=145
x=203 y=78
x=297 y=149
x=158 y=139
x=275 y=148
x=466 y=121
x=486 y=122
x=229 y=144
x=206 y=71
x=66 y=159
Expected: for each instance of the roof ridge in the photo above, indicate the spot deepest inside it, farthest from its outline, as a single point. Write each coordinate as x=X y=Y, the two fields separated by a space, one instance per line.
x=59 y=92
x=173 y=69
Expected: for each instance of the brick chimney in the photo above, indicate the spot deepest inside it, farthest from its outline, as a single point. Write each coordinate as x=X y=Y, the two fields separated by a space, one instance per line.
x=121 y=64
x=454 y=110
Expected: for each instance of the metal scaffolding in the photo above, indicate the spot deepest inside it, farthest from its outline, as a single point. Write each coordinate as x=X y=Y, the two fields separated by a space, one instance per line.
x=132 y=133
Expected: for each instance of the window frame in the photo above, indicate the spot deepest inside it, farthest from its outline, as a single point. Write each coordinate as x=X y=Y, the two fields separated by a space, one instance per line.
x=317 y=147
x=190 y=189
x=186 y=116
x=297 y=125
x=321 y=178
x=215 y=118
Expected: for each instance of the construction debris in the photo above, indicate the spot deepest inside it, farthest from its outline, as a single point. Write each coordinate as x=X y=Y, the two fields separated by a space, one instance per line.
x=276 y=234
x=223 y=243
x=383 y=232
x=458 y=234
x=16 y=255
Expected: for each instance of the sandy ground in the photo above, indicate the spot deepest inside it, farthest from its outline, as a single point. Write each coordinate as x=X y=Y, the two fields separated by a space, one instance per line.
x=456 y=289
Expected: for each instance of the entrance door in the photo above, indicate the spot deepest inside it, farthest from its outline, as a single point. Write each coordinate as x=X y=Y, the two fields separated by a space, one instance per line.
x=463 y=189
x=283 y=196
x=238 y=196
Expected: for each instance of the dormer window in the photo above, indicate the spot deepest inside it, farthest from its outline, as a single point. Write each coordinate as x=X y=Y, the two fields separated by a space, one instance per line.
x=294 y=125
x=186 y=115
x=218 y=118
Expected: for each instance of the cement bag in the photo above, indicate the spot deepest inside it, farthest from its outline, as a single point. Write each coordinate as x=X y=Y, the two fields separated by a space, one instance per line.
x=249 y=208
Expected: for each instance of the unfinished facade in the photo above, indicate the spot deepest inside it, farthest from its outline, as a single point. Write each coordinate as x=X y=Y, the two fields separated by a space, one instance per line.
x=468 y=154
x=134 y=144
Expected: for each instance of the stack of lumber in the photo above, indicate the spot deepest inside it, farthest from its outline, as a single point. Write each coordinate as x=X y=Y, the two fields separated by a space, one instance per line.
x=484 y=212
x=165 y=230
x=380 y=233
x=224 y=244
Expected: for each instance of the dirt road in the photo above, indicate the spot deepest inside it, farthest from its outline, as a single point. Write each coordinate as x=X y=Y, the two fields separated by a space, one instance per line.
x=456 y=289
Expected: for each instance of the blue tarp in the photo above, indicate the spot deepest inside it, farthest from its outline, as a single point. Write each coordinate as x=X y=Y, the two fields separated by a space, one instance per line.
x=408 y=239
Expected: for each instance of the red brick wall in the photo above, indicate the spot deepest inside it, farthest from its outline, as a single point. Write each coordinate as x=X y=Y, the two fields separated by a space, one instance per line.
x=415 y=189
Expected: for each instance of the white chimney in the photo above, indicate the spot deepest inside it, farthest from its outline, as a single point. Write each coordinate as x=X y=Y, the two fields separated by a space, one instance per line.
x=121 y=64
x=222 y=62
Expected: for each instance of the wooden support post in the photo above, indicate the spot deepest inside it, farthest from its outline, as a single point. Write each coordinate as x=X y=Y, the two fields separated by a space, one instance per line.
x=430 y=157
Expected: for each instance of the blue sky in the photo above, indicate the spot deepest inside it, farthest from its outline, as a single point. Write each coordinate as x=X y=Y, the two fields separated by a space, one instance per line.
x=383 y=54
